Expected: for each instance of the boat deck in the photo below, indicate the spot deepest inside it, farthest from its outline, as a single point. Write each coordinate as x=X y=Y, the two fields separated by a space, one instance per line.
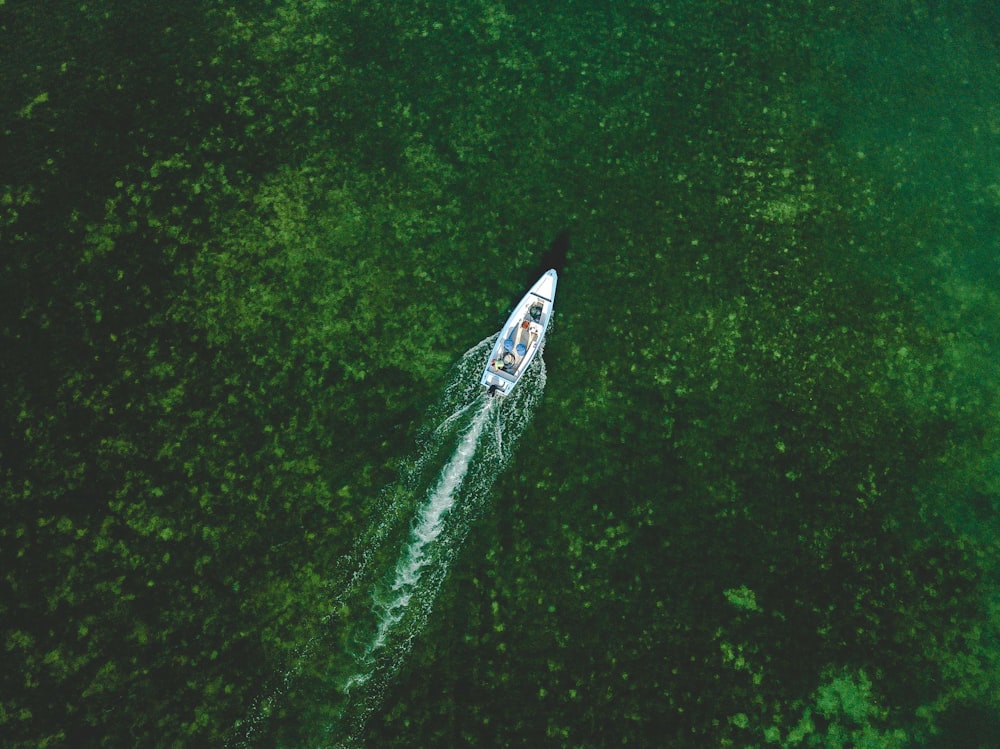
x=508 y=363
x=520 y=338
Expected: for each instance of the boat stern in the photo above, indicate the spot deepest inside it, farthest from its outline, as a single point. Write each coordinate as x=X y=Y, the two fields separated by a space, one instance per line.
x=495 y=384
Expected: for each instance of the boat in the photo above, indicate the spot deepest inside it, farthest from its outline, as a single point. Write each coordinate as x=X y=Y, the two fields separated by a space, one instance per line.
x=521 y=337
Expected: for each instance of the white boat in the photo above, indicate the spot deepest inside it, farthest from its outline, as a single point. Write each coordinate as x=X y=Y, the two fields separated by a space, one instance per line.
x=521 y=337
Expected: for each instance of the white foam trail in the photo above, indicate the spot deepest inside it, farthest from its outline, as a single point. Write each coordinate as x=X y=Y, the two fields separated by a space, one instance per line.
x=426 y=532
x=393 y=505
x=355 y=655
x=459 y=396
x=405 y=605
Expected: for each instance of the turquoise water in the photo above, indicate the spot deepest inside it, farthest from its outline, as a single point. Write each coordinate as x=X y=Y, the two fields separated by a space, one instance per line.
x=244 y=247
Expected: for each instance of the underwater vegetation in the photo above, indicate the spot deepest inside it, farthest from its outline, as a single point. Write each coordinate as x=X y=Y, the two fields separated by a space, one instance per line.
x=241 y=245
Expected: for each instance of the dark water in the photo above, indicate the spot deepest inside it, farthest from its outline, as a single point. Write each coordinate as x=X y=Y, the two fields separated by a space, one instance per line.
x=242 y=248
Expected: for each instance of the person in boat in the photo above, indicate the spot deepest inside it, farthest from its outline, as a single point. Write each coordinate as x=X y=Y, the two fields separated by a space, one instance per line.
x=522 y=346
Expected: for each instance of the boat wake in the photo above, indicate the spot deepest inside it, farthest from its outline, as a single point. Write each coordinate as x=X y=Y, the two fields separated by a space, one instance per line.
x=386 y=586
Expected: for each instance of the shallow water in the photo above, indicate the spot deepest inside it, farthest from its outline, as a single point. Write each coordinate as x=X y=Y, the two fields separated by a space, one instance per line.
x=245 y=247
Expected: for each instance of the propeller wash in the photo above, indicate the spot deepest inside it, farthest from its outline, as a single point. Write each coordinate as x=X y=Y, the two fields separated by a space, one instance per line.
x=388 y=583
x=481 y=433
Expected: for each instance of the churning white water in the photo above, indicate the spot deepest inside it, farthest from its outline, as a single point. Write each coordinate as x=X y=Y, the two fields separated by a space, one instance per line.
x=486 y=431
x=428 y=529
x=382 y=600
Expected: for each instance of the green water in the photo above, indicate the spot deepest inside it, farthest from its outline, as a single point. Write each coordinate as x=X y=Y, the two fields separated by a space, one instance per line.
x=241 y=247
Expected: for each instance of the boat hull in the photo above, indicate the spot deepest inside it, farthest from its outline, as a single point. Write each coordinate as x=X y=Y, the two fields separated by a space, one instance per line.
x=521 y=337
